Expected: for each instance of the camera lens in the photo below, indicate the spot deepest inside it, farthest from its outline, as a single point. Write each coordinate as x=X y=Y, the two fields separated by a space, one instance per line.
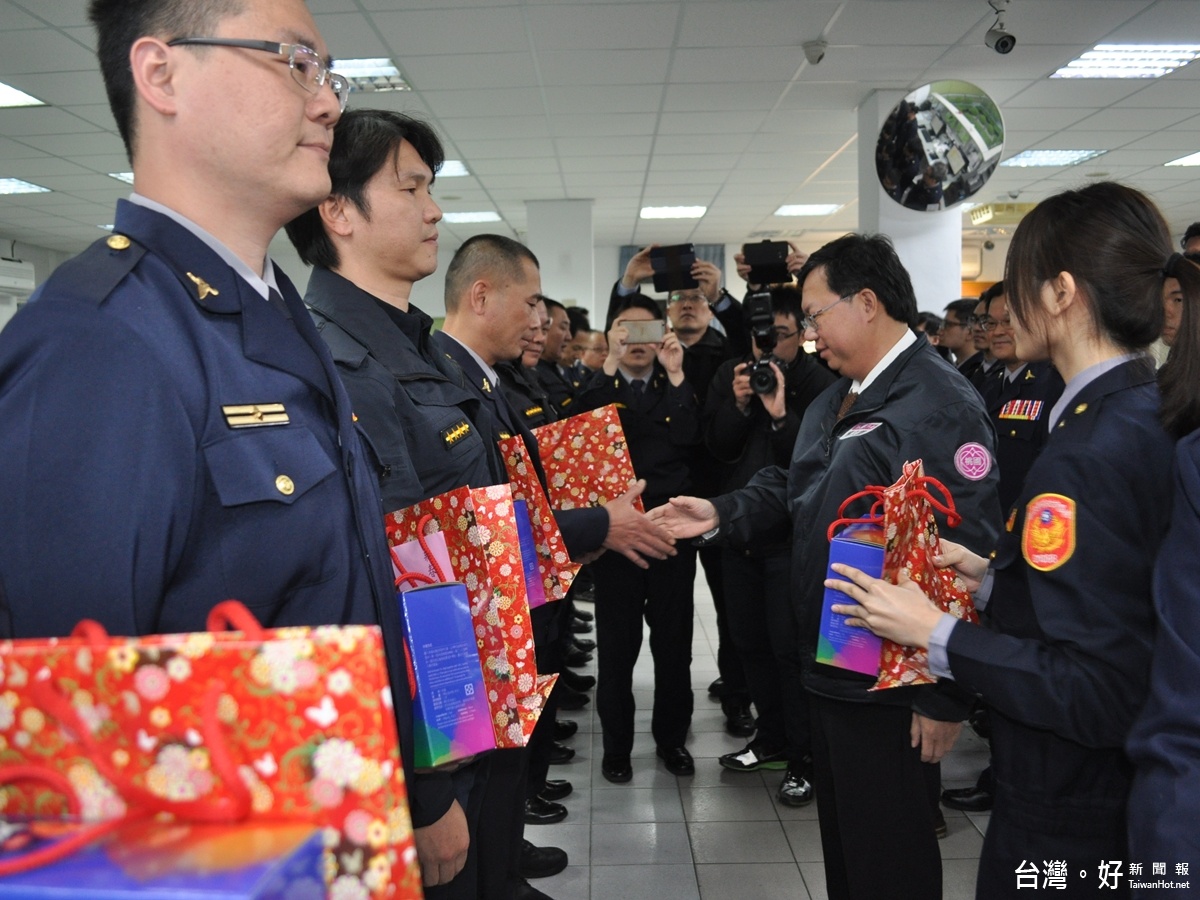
x=762 y=379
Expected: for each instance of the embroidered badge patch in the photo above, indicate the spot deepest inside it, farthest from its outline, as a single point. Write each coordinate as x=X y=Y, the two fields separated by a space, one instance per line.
x=1048 y=538
x=973 y=461
x=1025 y=410
x=860 y=428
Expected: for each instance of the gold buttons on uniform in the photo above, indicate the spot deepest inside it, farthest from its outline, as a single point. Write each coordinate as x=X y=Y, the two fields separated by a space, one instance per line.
x=118 y=242
x=284 y=485
x=1012 y=433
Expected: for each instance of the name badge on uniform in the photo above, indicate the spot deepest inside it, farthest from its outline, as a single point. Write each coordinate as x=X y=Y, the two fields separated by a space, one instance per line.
x=255 y=415
x=1025 y=410
x=456 y=433
x=860 y=428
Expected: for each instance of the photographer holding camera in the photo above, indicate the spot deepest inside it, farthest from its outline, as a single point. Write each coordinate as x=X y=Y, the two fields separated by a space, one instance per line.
x=752 y=415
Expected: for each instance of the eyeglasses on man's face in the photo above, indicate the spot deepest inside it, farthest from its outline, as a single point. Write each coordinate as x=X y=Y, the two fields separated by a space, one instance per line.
x=308 y=69
x=983 y=323
x=810 y=320
x=782 y=334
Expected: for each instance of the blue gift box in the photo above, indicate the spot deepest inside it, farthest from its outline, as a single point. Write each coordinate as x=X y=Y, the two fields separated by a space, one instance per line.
x=169 y=861
x=838 y=644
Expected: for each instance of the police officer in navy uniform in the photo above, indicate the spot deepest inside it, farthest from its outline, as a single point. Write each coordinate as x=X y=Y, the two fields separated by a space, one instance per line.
x=1064 y=658
x=174 y=429
x=519 y=380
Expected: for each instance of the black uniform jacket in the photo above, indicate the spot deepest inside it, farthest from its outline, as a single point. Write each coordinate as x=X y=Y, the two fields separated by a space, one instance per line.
x=917 y=408
x=1065 y=661
x=1019 y=410
x=525 y=395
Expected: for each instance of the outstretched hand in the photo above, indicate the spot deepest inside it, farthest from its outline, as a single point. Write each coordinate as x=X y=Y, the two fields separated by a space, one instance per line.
x=685 y=517
x=634 y=534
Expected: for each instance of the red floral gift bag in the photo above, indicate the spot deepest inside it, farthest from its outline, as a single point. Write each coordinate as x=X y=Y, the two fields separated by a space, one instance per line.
x=911 y=533
x=289 y=724
x=483 y=543
x=586 y=458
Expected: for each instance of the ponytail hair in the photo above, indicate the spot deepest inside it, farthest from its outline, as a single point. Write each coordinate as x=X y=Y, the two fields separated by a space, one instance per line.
x=1179 y=378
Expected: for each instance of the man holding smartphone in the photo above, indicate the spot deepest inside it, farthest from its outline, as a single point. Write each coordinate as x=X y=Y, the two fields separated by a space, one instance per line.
x=643 y=374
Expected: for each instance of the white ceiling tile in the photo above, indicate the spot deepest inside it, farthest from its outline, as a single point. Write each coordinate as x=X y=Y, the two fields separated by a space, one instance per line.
x=43 y=50
x=591 y=67
x=35 y=120
x=611 y=125
x=605 y=26
x=771 y=64
x=464 y=31
x=758 y=23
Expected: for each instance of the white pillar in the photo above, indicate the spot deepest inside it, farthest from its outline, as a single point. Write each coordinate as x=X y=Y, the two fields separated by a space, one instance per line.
x=928 y=243
x=559 y=232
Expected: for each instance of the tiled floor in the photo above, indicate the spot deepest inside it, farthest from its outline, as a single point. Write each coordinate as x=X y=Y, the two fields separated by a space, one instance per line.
x=719 y=835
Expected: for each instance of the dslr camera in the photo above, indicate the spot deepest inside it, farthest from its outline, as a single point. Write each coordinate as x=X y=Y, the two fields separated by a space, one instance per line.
x=762 y=329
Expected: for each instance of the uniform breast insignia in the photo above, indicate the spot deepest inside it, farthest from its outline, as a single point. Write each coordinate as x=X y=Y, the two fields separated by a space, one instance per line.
x=456 y=433
x=118 y=242
x=1029 y=376
x=1048 y=538
x=533 y=411
x=1012 y=520
x=487 y=386
x=255 y=415
x=203 y=288
x=860 y=428
x=1024 y=410
x=1080 y=409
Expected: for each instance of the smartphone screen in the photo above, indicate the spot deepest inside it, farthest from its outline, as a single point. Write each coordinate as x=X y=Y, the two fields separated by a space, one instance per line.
x=768 y=262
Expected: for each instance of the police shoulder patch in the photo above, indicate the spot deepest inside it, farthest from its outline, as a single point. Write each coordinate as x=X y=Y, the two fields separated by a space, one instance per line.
x=1048 y=536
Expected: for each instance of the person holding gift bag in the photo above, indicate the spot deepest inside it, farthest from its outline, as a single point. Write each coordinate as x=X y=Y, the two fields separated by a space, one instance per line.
x=897 y=401
x=1064 y=661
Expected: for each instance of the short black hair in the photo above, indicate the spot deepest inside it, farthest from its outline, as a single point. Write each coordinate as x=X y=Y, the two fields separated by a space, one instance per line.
x=119 y=23
x=964 y=308
x=364 y=141
x=991 y=294
x=1193 y=231
x=931 y=322
x=481 y=256
x=639 y=301
x=785 y=301
x=552 y=305
x=857 y=261
x=580 y=321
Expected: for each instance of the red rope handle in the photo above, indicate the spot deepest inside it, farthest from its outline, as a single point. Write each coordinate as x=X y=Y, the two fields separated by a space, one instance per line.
x=231 y=615
x=231 y=808
x=437 y=570
x=873 y=516
x=944 y=504
x=44 y=856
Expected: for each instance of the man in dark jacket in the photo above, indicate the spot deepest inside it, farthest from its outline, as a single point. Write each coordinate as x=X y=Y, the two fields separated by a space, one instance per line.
x=749 y=429
x=896 y=401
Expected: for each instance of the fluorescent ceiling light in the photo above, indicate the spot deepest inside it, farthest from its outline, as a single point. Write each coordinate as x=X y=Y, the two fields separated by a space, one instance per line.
x=1051 y=158
x=372 y=75
x=10 y=96
x=465 y=217
x=1190 y=160
x=673 y=212
x=452 y=168
x=108 y=227
x=17 y=186
x=1129 y=61
x=126 y=177
x=808 y=209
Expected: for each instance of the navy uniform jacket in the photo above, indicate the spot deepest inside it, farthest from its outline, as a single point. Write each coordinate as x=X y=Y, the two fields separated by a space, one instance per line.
x=662 y=429
x=1065 y=661
x=583 y=530
x=127 y=495
x=410 y=400
x=917 y=408
x=525 y=395
x=1164 y=805
x=1019 y=410
x=560 y=388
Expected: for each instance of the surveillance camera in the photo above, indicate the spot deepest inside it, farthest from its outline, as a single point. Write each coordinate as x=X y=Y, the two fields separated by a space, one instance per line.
x=814 y=51
x=999 y=39
x=1014 y=194
x=989 y=245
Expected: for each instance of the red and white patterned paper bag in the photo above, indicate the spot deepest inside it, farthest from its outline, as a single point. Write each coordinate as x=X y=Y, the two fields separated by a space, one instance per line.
x=291 y=724
x=485 y=555
x=586 y=459
x=554 y=563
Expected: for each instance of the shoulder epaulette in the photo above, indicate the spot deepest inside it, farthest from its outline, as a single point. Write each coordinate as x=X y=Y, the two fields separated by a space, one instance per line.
x=94 y=273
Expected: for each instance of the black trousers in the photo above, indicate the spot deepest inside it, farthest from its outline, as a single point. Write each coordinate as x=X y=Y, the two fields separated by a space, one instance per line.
x=662 y=595
x=873 y=804
x=470 y=788
x=729 y=661
x=762 y=623
x=1008 y=847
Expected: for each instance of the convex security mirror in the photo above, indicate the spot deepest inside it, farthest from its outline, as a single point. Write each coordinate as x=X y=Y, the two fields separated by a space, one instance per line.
x=939 y=145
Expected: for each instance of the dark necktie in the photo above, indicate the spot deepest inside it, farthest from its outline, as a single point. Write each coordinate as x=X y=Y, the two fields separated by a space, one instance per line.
x=847 y=402
x=639 y=392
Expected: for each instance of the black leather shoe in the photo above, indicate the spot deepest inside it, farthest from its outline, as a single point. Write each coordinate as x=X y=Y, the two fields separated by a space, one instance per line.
x=569 y=699
x=543 y=812
x=575 y=659
x=583 y=615
x=526 y=891
x=560 y=753
x=541 y=862
x=738 y=720
x=585 y=644
x=677 y=760
x=575 y=681
x=616 y=769
x=581 y=627
x=717 y=688
x=939 y=824
x=555 y=789
x=565 y=728
x=968 y=799
x=794 y=790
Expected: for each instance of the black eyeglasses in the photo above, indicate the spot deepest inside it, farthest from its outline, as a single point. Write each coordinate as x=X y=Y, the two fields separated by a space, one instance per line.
x=986 y=323
x=308 y=69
